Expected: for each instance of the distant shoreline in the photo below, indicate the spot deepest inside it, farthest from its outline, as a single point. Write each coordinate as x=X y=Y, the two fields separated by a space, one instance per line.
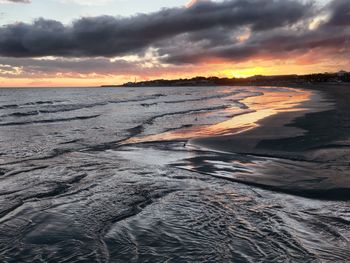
x=329 y=78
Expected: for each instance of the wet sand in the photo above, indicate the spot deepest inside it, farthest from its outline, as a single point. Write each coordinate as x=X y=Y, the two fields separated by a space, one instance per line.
x=70 y=193
x=321 y=122
x=313 y=144
x=255 y=108
x=295 y=140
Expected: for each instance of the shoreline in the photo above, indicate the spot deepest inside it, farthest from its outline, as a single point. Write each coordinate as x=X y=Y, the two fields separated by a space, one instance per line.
x=288 y=134
x=257 y=107
x=305 y=154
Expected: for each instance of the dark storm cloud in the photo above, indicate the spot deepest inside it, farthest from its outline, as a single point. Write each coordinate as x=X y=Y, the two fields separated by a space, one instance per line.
x=340 y=13
x=332 y=34
x=276 y=43
x=111 y=36
x=206 y=30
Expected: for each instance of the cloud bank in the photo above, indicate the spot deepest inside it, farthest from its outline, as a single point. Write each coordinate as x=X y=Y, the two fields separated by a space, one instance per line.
x=111 y=36
x=231 y=30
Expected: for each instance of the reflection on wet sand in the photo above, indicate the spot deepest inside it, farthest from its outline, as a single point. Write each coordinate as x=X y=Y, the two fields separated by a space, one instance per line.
x=69 y=193
x=260 y=107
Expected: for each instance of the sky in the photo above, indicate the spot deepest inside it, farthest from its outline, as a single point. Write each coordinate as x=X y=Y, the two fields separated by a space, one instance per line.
x=96 y=42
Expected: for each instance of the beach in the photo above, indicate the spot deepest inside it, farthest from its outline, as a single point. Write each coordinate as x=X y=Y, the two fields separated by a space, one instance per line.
x=319 y=134
x=174 y=131
x=234 y=174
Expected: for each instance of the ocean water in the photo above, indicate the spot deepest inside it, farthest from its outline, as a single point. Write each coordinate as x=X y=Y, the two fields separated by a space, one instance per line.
x=110 y=175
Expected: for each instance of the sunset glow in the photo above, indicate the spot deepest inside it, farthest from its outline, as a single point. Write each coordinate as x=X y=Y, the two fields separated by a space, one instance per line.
x=174 y=131
x=214 y=41
x=261 y=107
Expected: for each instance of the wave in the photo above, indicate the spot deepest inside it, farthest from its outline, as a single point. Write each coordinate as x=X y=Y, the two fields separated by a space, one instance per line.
x=57 y=108
x=218 y=96
x=20 y=123
x=9 y=106
x=140 y=128
x=41 y=102
x=22 y=114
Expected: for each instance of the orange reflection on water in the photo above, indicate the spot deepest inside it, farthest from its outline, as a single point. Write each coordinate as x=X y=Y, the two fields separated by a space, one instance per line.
x=266 y=105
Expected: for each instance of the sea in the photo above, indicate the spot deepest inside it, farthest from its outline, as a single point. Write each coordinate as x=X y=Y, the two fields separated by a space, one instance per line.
x=114 y=175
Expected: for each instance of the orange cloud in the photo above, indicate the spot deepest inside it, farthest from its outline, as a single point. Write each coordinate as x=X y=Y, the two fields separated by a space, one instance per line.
x=191 y=3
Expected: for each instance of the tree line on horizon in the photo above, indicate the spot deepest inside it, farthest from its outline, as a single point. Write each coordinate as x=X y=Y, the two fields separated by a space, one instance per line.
x=338 y=77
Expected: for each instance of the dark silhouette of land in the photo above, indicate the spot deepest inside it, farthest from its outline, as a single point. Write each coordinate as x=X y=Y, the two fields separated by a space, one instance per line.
x=339 y=77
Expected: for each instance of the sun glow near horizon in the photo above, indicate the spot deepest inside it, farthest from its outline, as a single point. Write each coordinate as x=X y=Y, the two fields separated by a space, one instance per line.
x=184 y=39
x=100 y=79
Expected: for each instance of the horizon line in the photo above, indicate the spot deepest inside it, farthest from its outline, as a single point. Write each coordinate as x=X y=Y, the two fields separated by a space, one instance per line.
x=170 y=79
